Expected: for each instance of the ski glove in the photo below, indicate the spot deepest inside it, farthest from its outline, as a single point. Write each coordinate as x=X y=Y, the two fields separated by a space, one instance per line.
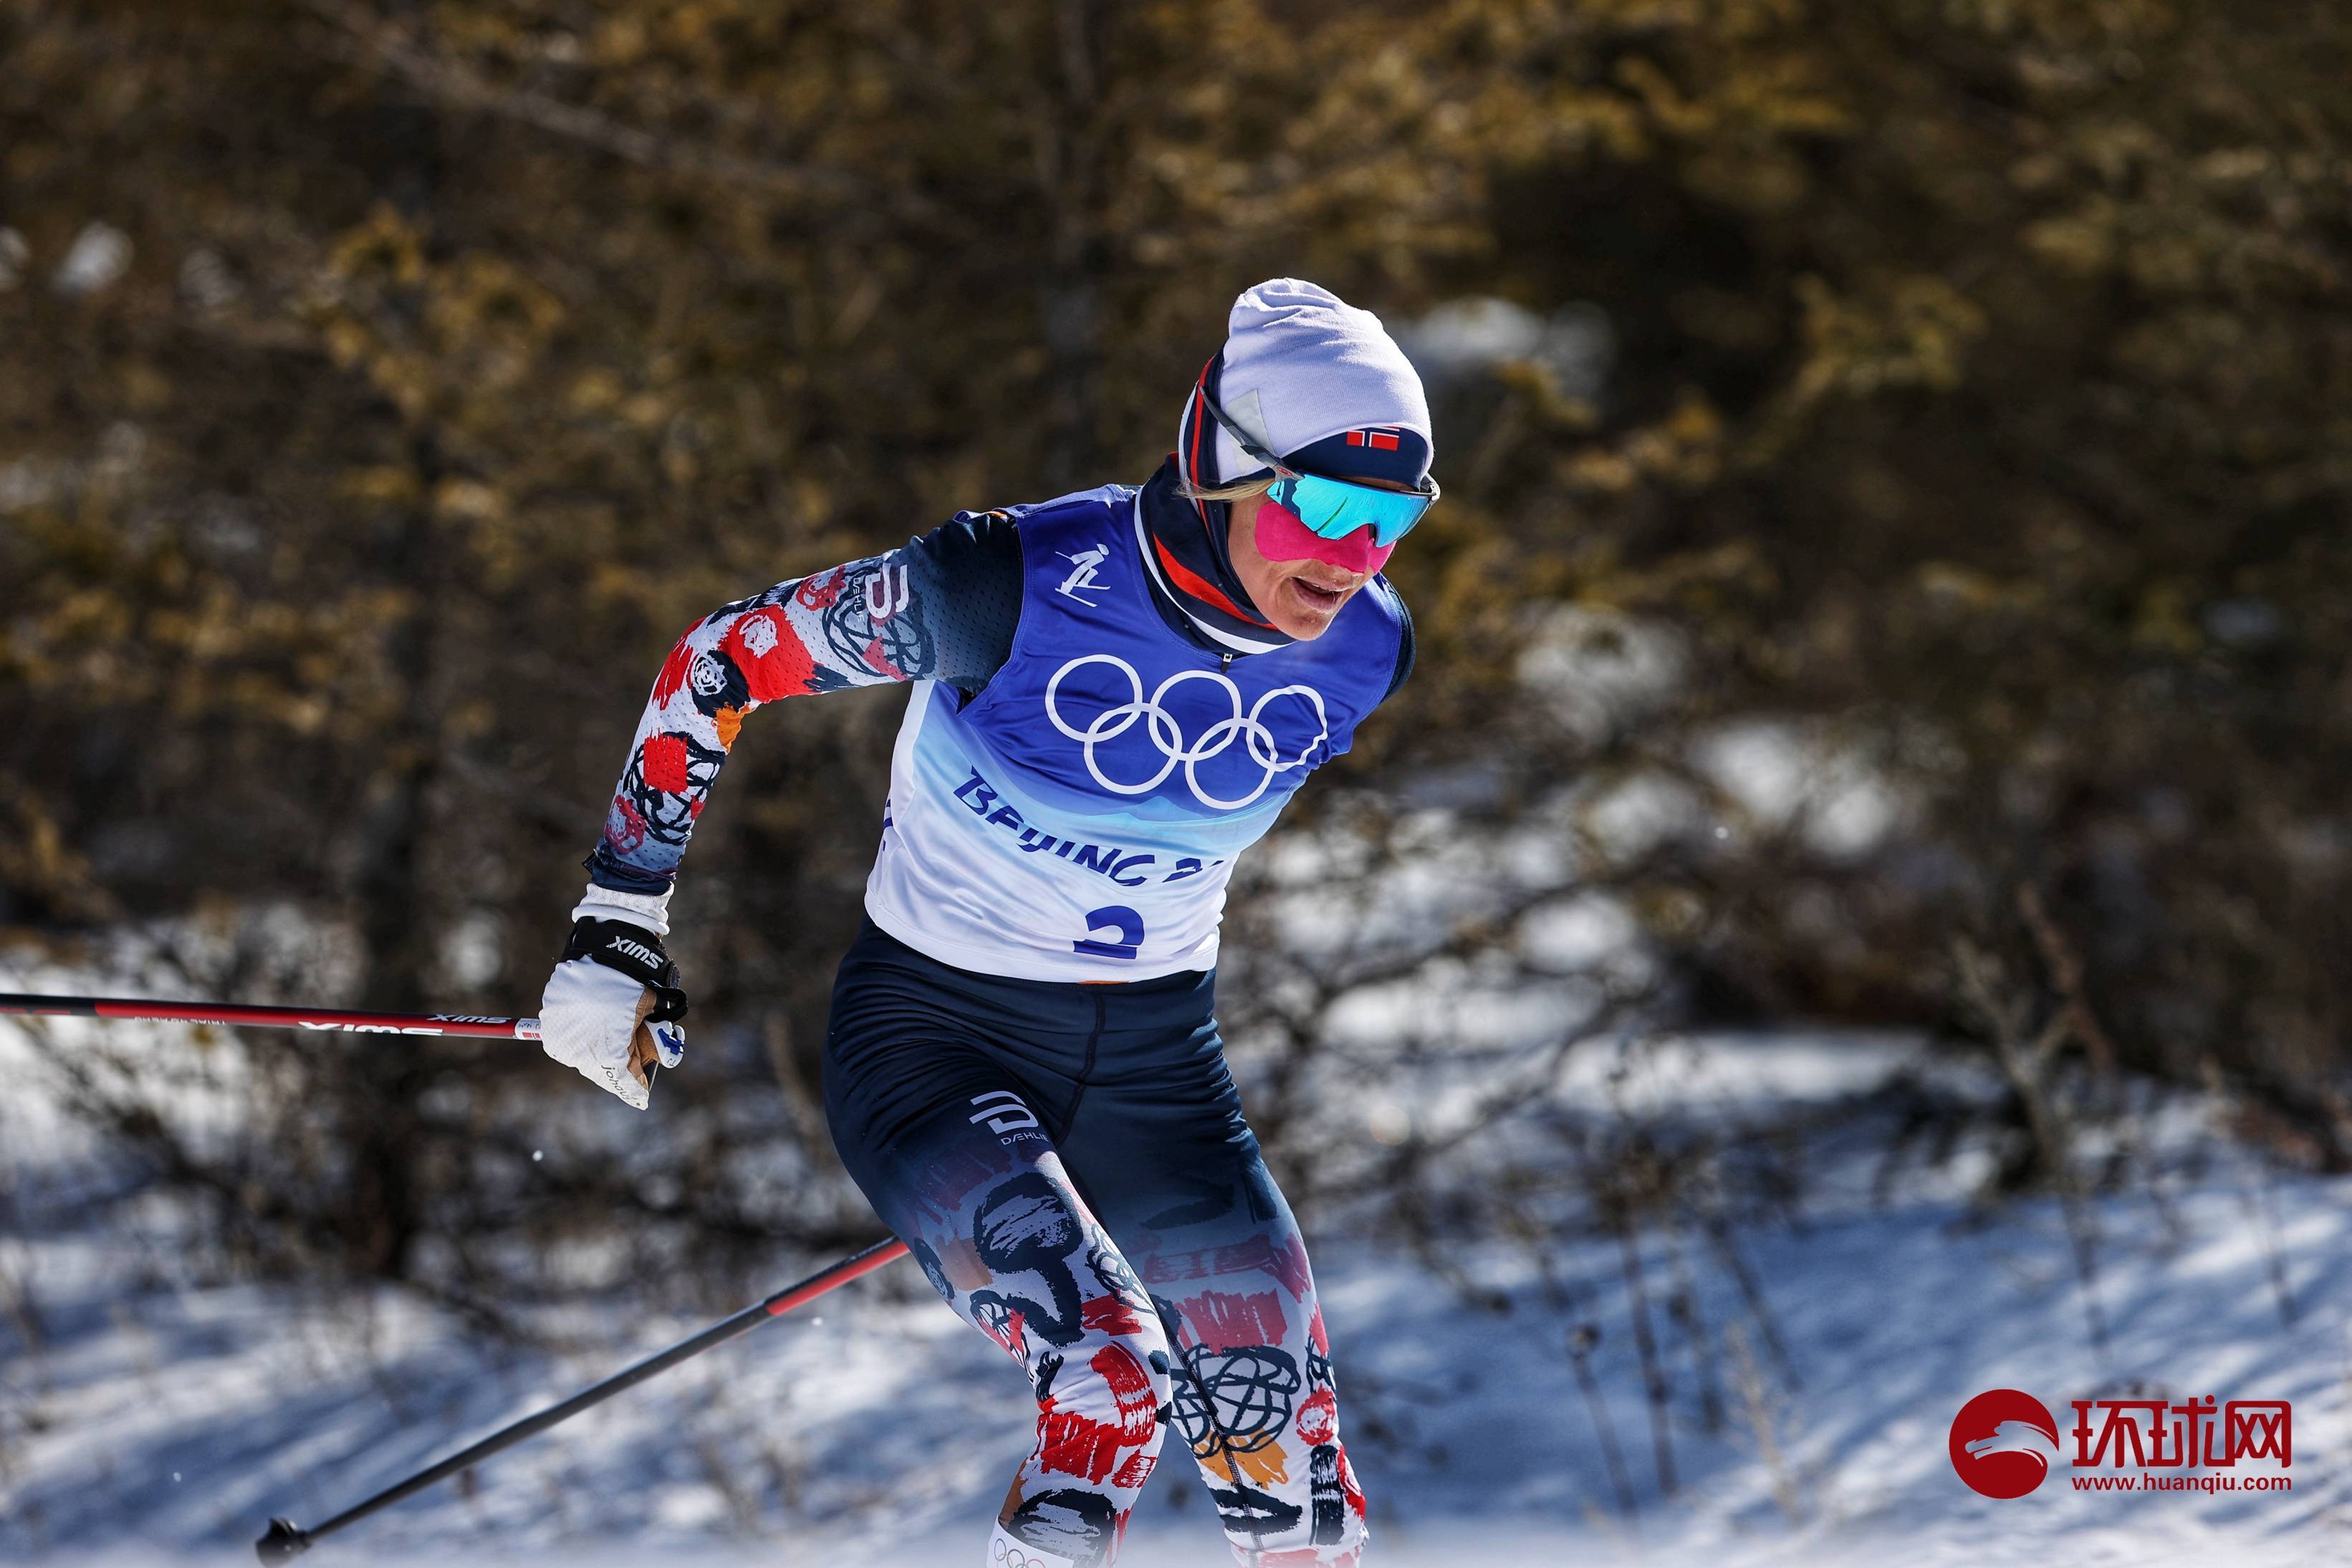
x=612 y=1007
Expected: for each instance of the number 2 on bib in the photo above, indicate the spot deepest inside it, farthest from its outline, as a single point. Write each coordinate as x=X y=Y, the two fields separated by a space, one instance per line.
x=1125 y=923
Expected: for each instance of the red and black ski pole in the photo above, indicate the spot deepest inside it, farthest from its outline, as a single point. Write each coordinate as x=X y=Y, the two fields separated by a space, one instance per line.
x=287 y=1541
x=243 y=1017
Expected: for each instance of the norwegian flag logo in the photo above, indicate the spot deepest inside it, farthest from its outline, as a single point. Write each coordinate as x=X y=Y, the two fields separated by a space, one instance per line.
x=1379 y=440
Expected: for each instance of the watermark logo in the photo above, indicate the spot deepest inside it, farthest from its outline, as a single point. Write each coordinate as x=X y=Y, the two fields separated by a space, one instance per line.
x=2003 y=1443
x=2153 y=1435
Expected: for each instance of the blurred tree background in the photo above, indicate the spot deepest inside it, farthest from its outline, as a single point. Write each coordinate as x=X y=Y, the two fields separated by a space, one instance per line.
x=1948 y=404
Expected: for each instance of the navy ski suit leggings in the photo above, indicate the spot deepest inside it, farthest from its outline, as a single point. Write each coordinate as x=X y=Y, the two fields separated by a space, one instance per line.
x=1070 y=1166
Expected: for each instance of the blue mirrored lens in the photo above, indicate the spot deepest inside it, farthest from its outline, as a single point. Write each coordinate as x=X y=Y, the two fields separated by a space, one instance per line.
x=1335 y=508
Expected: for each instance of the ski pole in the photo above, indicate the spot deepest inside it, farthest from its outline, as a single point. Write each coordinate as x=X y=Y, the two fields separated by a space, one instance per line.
x=233 y=1013
x=286 y=1541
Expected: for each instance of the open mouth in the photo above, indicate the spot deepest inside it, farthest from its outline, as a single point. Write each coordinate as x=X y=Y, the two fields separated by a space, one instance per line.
x=1319 y=598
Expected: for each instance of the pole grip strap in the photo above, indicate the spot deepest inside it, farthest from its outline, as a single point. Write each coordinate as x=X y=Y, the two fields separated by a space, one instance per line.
x=636 y=953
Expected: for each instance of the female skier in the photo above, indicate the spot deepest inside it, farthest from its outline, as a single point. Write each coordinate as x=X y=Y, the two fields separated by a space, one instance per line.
x=1114 y=694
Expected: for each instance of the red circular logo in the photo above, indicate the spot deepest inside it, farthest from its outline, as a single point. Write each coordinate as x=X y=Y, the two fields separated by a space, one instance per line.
x=2003 y=1442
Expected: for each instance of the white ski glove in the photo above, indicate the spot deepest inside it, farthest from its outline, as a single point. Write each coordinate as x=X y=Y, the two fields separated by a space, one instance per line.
x=611 y=1007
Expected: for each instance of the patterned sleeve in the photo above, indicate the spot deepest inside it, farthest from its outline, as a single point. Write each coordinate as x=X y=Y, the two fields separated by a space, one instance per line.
x=943 y=608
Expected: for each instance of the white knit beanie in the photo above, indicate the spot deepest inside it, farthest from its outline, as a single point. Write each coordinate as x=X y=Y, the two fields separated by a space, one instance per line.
x=1300 y=365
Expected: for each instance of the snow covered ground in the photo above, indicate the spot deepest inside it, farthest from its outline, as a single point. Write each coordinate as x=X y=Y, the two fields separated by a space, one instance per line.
x=151 y=1416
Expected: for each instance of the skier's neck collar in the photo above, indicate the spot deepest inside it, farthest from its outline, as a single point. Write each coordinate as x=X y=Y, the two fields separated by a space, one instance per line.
x=1193 y=584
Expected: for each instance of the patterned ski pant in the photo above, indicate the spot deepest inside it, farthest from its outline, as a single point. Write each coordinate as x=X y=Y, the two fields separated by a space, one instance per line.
x=1070 y=1167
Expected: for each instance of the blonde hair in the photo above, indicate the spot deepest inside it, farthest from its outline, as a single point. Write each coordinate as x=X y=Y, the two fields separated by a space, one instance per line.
x=1241 y=490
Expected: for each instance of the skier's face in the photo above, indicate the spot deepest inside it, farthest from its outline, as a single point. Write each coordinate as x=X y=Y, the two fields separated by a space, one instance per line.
x=1298 y=577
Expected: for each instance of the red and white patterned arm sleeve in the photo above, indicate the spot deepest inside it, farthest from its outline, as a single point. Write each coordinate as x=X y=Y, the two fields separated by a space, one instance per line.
x=943 y=607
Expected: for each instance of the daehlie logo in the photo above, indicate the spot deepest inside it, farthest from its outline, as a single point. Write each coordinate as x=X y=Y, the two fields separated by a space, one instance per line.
x=637 y=950
x=1002 y=1111
x=887 y=591
x=1084 y=572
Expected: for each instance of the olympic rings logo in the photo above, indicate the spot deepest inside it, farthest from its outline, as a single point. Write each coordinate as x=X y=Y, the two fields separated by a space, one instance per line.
x=1003 y=1554
x=1168 y=736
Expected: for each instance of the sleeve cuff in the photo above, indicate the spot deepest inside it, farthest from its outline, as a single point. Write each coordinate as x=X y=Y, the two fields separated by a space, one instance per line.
x=650 y=910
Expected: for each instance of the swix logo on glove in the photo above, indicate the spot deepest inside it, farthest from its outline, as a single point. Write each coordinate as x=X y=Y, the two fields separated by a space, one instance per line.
x=637 y=950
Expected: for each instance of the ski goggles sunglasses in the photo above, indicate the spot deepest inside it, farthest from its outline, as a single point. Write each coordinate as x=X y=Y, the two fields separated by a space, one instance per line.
x=1334 y=508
